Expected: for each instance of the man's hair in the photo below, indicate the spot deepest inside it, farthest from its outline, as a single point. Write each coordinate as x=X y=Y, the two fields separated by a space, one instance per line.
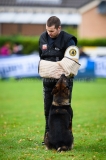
x=53 y=21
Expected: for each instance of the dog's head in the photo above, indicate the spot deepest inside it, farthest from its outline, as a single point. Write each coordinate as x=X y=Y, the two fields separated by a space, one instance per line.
x=61 y=92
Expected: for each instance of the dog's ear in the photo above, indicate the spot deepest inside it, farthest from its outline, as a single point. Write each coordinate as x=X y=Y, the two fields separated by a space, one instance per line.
x=54 y=91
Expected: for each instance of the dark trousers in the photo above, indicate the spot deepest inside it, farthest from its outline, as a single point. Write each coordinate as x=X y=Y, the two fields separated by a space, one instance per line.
x=48 y=85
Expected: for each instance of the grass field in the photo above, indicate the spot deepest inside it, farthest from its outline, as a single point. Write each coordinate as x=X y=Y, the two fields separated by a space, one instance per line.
x=22 y=121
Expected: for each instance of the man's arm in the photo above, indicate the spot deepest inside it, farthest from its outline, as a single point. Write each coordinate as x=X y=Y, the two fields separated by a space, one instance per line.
x=70 y=43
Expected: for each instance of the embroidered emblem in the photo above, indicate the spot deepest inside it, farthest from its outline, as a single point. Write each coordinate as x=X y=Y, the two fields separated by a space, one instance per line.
x=72 y=52
x=44 y=46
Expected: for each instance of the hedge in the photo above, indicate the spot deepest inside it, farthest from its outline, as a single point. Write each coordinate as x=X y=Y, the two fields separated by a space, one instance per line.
x=92 y=42
x=30 y=44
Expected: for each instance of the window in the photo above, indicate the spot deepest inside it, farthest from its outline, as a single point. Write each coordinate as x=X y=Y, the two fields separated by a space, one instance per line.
x=102 y=7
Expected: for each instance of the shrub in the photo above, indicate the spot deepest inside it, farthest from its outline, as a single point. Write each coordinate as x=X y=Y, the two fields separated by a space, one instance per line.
x=30 y=44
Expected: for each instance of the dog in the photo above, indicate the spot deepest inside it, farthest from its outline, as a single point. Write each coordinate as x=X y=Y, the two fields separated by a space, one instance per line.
x=60 y=136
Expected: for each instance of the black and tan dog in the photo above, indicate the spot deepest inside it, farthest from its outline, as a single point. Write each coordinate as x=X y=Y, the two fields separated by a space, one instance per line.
x=60 y=136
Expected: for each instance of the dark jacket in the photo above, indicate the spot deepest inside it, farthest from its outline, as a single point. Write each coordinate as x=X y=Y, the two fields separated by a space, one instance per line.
x=57 y=50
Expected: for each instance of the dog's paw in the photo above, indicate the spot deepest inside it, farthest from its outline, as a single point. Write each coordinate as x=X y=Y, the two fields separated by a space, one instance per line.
x=63 y=148
x=59 y=149
x=47 y=148
x=71 y=147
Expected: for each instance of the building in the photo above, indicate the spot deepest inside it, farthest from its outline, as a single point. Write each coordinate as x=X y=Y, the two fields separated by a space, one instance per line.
x=93 y=23
x=28 y=17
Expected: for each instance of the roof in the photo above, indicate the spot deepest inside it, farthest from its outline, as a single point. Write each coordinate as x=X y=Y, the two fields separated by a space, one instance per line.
x=38 y=11
x=46 y=3
x=100 y=4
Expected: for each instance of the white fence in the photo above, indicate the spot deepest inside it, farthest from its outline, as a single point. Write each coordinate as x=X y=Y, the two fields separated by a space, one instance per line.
x=23 y=66
x=27 y=66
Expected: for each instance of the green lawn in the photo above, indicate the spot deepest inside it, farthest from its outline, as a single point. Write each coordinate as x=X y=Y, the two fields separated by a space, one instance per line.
x=22 y=121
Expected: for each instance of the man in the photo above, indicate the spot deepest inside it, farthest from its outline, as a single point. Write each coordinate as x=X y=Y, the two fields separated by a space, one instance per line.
x=52 y=45
x=82 y=53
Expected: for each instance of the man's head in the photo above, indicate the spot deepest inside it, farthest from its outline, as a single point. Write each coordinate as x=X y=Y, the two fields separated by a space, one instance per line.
x=53 y=26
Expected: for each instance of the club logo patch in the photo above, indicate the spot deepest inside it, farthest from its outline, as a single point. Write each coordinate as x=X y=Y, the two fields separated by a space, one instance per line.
x=57 y=49
x=72 y=52
x=44 y=46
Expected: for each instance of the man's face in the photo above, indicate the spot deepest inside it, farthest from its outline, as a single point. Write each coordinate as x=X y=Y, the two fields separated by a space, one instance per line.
x=52 y=31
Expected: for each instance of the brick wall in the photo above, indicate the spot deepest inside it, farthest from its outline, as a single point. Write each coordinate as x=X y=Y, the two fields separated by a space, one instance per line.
x=22 y=29
x=9 y=29
x=93 y=25
x=32 y=29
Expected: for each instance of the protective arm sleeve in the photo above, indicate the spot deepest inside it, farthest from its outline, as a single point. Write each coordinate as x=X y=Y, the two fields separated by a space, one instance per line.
x=68 y=66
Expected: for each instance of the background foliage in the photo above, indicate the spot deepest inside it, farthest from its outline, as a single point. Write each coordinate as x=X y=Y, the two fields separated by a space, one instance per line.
x=30 y=44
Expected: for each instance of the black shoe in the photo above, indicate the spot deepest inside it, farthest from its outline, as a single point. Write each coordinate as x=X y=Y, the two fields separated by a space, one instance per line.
x=43 y=143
